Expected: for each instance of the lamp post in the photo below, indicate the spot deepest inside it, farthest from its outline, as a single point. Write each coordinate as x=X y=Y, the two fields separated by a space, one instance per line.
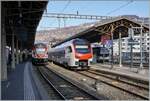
x=120 y=50
x=141 y=48
x=112 y=59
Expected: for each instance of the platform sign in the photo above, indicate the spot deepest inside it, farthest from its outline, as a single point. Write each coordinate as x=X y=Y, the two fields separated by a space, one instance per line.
x=109 y=43
x=104 y=38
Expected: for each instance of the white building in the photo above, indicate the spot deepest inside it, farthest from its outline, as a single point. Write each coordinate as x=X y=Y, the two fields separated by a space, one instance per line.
x=136 y=48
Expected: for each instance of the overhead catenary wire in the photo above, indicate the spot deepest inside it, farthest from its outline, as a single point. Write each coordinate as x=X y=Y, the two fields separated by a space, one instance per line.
x=120 y=7
x=65 y=7
x=69 y=1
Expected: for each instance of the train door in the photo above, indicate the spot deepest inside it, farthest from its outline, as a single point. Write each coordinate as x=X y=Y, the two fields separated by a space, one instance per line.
x=68 y=55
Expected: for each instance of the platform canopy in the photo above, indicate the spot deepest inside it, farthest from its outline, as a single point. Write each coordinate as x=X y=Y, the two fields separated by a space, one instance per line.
x=116 y=25
x=21 y=19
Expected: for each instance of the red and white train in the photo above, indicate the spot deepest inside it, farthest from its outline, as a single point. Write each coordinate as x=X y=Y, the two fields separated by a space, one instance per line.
x=75 y=54
x=40 y=53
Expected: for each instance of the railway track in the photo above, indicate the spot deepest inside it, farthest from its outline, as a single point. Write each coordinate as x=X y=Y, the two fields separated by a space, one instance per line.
x=64 y=88
x=128 y=64
x=120 y=79
x=131 y=88
x=136 y=64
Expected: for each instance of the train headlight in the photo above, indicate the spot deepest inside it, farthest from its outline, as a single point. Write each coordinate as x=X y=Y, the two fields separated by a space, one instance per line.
x=76 y=63
x=91 y=62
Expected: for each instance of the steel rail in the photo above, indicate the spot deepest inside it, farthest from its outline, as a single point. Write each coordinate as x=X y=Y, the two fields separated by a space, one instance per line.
x=117 y=79
x=50 y=83
x=113 y=85
x=62 y=95
x=146 y=82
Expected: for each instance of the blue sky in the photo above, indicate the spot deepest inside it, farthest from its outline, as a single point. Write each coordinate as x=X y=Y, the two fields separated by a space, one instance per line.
x=101 y=8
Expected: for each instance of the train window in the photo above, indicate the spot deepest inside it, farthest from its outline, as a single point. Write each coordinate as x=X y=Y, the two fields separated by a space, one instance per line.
x=69 y=50
x=80 y=42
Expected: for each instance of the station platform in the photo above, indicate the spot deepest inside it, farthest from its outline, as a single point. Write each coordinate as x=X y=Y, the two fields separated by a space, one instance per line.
x=22 y=84
x=140 y=74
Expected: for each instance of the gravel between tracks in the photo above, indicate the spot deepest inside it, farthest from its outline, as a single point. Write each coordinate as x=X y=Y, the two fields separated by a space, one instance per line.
x=103 y=89
x=67 y=89
x=52 y=95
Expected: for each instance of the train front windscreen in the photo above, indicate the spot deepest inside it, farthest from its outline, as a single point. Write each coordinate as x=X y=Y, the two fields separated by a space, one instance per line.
x=82 y=49
x=82 y=46
x=40 y=50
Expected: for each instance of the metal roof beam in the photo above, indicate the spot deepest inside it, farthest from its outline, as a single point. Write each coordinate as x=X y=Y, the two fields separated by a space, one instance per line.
x=76 y=16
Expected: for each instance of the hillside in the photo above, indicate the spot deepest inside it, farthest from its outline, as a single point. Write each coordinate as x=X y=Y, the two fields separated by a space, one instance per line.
x=60 y=33
x=55 y=35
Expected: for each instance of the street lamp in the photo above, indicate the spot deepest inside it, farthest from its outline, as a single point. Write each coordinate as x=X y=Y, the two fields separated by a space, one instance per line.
x=141 y=54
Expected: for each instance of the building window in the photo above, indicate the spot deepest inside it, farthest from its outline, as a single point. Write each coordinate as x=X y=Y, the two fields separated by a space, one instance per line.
x=137 y=39
x=147 y=48
x=143 y=39
x=134 y=48
x=123 y=39
x=147 y=43
x=123 y=44
x=147 y=38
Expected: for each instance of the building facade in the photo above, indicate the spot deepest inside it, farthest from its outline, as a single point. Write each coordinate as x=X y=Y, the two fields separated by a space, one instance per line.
x=126 y=48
